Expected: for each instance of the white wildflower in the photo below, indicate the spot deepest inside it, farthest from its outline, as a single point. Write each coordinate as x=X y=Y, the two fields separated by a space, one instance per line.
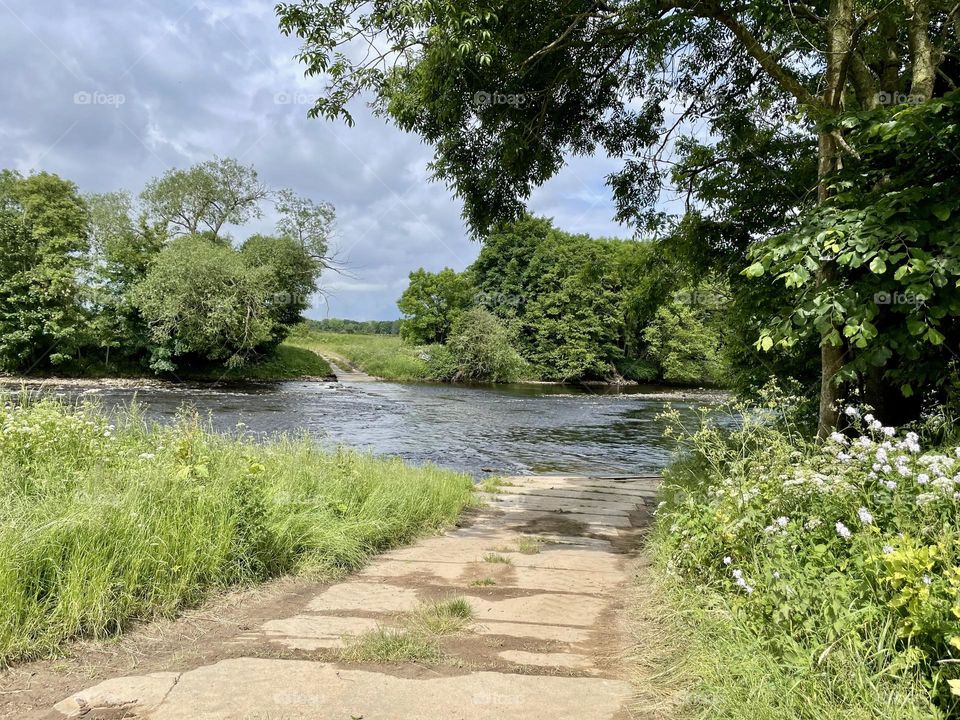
x=843 y=531
x=865 y=517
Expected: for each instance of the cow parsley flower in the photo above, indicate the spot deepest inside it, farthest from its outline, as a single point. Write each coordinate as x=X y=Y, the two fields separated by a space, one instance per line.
x=838 y=438
x=843 y=531
x=865 y=517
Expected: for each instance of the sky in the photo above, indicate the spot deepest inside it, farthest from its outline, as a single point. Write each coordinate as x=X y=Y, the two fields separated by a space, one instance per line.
x=110 y=94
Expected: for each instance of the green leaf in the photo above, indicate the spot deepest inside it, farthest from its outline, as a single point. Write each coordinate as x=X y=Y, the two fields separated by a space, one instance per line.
x=878 y=266
x=755 y=270
x=942 y=211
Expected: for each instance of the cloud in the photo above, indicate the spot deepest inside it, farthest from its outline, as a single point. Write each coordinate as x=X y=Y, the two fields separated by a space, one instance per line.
x=111 y=94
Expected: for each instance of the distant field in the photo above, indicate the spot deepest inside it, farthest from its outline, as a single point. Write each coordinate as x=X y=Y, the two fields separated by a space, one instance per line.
x=380 y=355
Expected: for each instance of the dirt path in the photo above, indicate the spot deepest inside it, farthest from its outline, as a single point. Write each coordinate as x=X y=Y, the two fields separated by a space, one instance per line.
x=338 y=363
x=546 y=569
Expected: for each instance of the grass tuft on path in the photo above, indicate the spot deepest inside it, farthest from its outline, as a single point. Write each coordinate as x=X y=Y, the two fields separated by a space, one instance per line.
x=417 y=636
x=106 y=520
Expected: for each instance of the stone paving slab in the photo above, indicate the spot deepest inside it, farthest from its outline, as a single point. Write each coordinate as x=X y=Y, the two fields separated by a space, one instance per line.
x=258 y=688
x=539 y=645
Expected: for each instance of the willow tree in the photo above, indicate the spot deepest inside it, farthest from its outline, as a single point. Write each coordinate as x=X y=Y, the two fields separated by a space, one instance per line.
x=504 y=91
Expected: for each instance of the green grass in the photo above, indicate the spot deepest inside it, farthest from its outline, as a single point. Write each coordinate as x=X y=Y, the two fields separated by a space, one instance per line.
x=100 y=524
x=443 y=618
x=484 y=582
x=383 y=356
x=493 y=485
x=416 y=638
x=529 y=545
x=391 y=645
x=288 y=362
x=497 y=558
x=693 y=658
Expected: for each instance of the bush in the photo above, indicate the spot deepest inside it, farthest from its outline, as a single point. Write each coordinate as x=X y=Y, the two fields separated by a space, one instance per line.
x=200 y=299
x=102 y=522
x=845 y=556
x=480 y=347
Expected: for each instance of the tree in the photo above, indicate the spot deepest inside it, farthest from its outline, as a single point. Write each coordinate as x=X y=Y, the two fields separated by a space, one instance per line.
x=121 y=251
x=292 y=276
x=503 y=90
x=890 y=227
x=201 y=301
x=309 y=223
x=431 y=304
x=565 y=296
x=204 y=197
x=44 y=242
x=684 y=344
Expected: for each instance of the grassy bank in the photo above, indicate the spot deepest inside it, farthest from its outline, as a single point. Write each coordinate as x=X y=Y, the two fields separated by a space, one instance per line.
x=101 y=523
x=288 y=361
x=383 y=356
x=812 y=581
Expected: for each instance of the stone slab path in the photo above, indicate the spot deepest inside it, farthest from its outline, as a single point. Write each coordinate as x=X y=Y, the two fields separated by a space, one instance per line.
x=545 y=567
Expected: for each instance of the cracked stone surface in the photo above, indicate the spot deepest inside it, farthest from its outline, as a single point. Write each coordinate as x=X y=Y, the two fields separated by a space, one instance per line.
x=545 y=641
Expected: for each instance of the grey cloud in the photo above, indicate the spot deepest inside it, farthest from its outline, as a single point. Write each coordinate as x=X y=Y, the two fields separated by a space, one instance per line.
x=217 y=77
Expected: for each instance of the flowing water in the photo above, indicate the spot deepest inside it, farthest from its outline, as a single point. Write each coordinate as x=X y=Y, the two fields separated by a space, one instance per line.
x=492 y=429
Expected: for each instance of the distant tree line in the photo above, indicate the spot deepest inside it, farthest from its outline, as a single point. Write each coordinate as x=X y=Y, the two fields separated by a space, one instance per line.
x=549 y=304
x=153 y=281
x=355 y=327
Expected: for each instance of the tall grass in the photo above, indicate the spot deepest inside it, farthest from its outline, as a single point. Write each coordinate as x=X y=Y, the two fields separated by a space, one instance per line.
x=103 y=521
x=384 y=356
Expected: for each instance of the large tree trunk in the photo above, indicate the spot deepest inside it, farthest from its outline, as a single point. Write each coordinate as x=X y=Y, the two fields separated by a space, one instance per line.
x=831 y=356
x=839 y=46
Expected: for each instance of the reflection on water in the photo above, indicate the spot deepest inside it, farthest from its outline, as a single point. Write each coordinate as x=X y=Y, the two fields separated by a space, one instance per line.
x=504 y=429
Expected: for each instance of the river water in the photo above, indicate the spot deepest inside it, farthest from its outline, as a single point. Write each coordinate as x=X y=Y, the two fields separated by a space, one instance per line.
x=515 y=429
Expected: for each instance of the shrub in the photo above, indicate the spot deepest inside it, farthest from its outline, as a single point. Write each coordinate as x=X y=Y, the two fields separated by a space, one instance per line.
x=845 y=554
x=480 y=345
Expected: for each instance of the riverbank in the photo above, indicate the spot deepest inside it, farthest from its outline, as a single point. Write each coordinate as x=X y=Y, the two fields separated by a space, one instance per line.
x=386 y=357
x=809 y=580
x=109 y=520
x=288 y=362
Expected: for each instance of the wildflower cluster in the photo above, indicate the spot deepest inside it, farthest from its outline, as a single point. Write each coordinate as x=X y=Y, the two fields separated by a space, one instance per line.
x=812 y=543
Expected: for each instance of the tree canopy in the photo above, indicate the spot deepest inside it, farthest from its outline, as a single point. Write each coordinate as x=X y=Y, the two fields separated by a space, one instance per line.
x=155 y=279
x=734 y=105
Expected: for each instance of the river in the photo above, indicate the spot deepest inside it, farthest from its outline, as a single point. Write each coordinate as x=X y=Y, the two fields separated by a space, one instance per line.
x=514 y=429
